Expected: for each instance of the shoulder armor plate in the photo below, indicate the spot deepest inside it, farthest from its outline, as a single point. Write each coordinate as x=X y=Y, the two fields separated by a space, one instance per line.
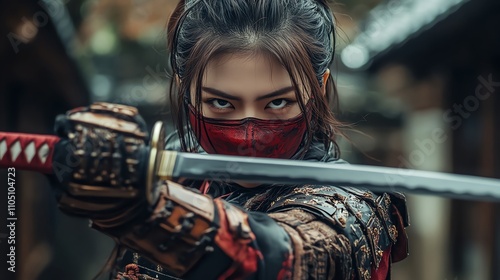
x=362 y=216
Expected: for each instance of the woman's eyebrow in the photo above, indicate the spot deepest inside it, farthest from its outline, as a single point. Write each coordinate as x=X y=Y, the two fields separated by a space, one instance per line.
x=231 y=97
x=220 y=93
x=277 y=92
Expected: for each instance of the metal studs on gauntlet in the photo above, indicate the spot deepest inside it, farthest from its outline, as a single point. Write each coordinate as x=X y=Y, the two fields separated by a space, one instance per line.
x=99 y=162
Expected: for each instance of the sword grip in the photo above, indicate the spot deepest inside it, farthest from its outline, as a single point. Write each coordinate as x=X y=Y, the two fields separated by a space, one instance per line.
x=24 y=151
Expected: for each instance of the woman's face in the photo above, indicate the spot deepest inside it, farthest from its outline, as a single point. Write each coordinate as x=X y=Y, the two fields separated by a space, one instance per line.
x=241 y=86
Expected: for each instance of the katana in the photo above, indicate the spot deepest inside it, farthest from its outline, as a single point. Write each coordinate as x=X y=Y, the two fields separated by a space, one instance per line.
x=34 y=152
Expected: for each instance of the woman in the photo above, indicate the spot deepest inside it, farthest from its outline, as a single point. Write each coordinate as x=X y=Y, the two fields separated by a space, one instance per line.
x=251 y=79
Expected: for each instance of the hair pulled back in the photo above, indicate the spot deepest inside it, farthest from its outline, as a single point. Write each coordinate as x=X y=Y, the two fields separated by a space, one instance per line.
x=299 y=34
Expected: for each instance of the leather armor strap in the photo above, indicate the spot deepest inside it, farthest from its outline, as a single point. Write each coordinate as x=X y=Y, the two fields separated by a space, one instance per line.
x=179 y=232
x=27 y=151
x=115 y=117
x=186 y=225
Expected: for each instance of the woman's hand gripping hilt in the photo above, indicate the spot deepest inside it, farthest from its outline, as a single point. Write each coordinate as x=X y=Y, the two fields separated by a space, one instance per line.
x=103 y=164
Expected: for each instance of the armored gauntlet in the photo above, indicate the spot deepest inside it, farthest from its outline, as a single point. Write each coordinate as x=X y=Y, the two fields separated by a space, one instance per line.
x=98 y=163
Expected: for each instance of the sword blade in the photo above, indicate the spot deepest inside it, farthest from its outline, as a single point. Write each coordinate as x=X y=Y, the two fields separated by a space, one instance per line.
x=280 y=171
x=34 y=152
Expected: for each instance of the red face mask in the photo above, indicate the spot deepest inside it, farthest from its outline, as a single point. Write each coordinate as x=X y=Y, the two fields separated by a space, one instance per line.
x=249 y=136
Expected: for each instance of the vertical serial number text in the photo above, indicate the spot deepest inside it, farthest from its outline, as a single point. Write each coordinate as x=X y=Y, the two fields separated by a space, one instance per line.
x=11 y=219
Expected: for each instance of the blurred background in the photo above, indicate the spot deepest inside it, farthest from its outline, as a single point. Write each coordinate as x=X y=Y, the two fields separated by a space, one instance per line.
x=419 y=81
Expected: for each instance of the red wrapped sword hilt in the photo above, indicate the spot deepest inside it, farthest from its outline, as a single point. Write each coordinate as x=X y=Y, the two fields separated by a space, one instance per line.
x=27 y=151
x=35 y=152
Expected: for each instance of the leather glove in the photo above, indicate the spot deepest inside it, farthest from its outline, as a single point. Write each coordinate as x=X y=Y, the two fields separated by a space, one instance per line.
x=99 y=163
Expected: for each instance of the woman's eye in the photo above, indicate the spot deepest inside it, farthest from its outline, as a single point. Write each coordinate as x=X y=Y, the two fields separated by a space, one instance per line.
x=220 y=103
x=278 y=103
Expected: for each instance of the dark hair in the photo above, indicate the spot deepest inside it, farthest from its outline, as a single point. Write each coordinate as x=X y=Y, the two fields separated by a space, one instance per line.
x=300 y=34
